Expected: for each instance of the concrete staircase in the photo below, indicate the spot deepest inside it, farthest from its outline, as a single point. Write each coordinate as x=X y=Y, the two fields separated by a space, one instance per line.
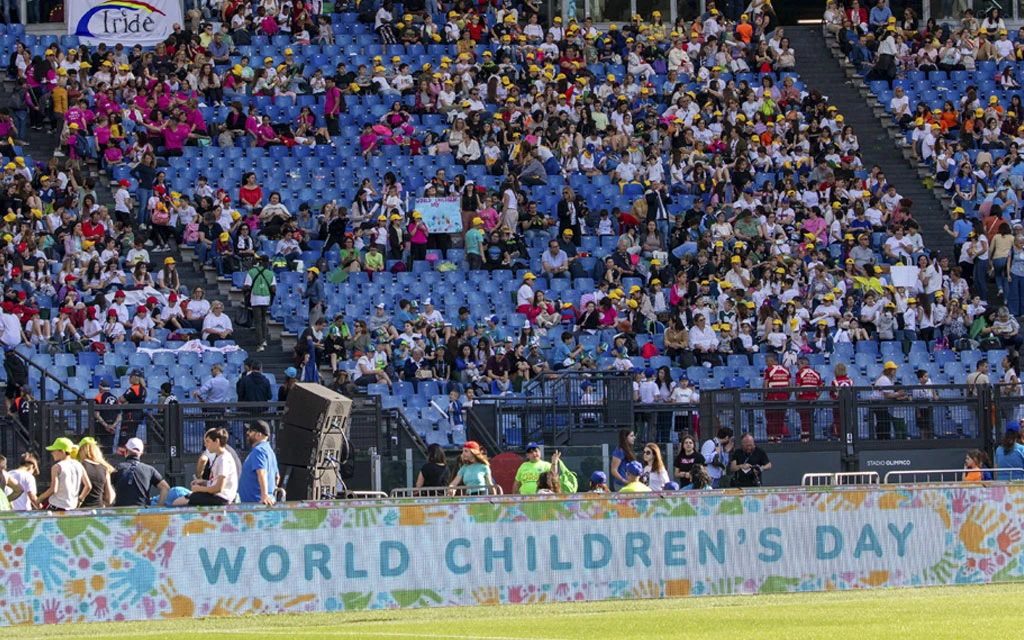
x=822 y=66
x=278 y=354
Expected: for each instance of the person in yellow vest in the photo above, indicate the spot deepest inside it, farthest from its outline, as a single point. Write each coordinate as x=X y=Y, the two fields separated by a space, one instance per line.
x=633 y=485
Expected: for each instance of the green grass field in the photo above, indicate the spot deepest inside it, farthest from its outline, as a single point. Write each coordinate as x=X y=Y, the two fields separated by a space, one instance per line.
x=933 y=613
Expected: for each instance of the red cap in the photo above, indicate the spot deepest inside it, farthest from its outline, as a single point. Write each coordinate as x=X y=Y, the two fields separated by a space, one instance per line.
x=152 y=300
x=7 y=305
x=119 y=294
x=16 y=271
x=70 y=278
x=124 y=183
x=111 y=312
x=472 y=445
x=67 y=310
x=173 y=297
x=22 y=247
x=141 y=309
x=22 y=295
x=160 y=189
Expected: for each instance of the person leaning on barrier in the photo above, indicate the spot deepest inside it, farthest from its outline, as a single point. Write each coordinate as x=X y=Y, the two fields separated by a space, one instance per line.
x=748 y=463
x=599 y=482
x=133 y=479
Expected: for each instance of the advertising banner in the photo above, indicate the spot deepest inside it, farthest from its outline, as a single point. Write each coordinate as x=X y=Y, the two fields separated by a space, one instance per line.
x=189 y=563
x=441 y=215
x=129 y=22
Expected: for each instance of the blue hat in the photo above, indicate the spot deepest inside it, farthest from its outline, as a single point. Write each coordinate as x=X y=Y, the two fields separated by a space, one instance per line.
x=634 y=468
x=587 y=385
x=598 y=477
x=649 y=371
x=683 y=376
x=1012 y=426
x=532 y=445
x=670 y=486
x=291 y=372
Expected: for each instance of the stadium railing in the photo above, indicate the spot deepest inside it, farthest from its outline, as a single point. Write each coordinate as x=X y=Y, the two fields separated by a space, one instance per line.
x=947 y=475
x=443 y=492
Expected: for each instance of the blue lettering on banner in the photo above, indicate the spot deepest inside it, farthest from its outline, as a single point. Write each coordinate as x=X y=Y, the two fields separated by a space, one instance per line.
x=556 y=564
x=675 y=549
x=901 y=537
x=449 y=557
x=387 y=569
x=317 y=556
x=834 y=546
x=531 y=554
x=638 y=545
x=222 y=563
x=589 y=561
x=283 y=563
x=867 y=543
x=604 y=548
x=351 y=572
x=716 y=548
x=491 y=554
x=769 y=540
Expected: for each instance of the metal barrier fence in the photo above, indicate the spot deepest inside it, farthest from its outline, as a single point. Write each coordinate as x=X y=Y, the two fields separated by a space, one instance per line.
x=856 y=477
x=447 y=492
x=845 y=415
x=843 y=479
x=949 y=475
x=818 y=480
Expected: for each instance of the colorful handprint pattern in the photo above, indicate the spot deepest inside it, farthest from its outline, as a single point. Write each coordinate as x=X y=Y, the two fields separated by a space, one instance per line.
x=110 y=566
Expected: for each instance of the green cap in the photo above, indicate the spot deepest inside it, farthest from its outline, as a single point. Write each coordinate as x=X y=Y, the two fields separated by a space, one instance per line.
x=62 y=444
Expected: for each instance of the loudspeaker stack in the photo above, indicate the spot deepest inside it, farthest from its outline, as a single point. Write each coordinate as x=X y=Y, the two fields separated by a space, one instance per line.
x=309 y=442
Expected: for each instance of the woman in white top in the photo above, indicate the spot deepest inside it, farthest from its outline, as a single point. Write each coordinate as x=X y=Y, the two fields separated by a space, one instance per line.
x=68 y=483
x=25 y=476
x=655 y=474
x=221 y=487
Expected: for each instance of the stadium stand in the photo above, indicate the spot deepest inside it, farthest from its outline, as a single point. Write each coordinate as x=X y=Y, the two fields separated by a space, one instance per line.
x=639 y=198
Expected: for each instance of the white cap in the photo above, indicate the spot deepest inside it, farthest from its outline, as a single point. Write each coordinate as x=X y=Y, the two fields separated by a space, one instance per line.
x=428 y=301
x=135 y=446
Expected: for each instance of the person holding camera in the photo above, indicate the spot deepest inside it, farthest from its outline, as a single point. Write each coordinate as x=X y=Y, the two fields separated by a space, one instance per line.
x=748 y=463
x=716 y=453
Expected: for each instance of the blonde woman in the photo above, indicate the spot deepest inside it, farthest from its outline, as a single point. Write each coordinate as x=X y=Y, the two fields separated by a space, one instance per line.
x=98 y=470
x=655 y=473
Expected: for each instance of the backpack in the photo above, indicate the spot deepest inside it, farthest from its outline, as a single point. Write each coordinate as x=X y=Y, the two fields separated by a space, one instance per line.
x=570 y=483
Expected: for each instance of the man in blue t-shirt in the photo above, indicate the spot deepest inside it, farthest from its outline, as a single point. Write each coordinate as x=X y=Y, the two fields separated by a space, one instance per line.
x=259 y=476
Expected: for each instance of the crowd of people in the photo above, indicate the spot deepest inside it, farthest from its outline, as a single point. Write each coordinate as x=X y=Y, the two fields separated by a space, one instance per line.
x=81 y=477
x=964 y=122
x=753 y=228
